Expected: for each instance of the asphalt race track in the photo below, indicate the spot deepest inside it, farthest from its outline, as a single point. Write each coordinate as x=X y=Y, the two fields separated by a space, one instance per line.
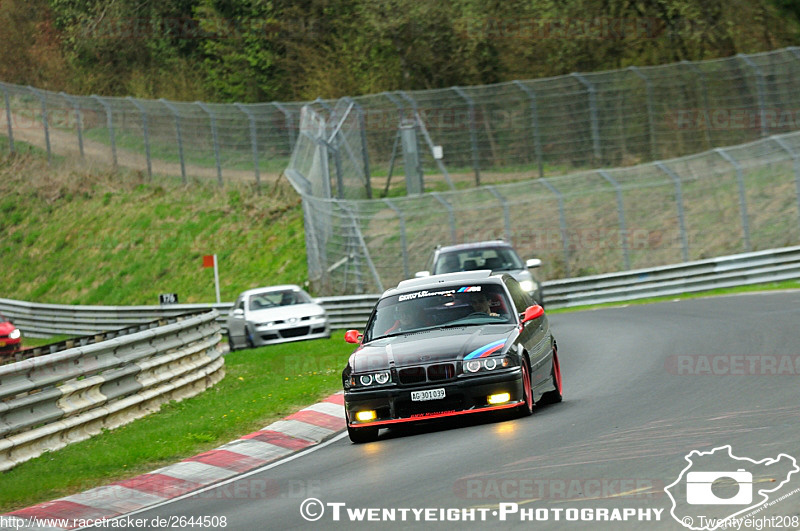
x=644 y=386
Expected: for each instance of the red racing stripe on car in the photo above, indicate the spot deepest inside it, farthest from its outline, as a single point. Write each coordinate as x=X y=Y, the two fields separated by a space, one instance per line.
x=435 y=415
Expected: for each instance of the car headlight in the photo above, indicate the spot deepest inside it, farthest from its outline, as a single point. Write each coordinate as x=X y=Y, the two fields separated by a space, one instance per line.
x=472 y=366
x=487 y=364
x=366 y=380
x=527 y=285
x=14 y=334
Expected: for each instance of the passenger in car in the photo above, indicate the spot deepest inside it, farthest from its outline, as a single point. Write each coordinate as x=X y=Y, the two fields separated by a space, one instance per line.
x=406 y=319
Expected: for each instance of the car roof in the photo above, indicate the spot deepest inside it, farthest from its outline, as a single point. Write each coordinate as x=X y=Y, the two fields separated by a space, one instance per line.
x=267 y=289
x=437 y=281
x=473 y=245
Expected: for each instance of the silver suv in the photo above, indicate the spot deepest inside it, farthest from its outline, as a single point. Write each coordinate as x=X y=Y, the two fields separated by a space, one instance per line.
x=496 y=255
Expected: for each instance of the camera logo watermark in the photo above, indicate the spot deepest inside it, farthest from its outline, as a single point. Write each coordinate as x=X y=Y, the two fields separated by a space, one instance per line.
x=720 y=490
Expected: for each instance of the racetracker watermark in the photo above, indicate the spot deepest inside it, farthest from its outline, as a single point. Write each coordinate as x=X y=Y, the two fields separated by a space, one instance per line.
x=526 y=488
x=733 y=365
x=312 y=510
x=730 y=119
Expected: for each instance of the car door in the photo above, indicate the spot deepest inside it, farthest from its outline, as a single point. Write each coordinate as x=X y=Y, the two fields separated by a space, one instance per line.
x=535 y=335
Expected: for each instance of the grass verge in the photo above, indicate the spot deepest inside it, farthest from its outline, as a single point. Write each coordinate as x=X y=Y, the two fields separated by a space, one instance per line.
x=260 y=386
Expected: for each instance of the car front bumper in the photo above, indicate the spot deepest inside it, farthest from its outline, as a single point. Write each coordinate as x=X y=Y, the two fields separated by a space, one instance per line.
x=464 y=395
x=284 y=333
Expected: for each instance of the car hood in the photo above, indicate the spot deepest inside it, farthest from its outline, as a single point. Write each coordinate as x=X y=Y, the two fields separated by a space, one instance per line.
x=283 y=313
x=6 y=328
x=431 y=346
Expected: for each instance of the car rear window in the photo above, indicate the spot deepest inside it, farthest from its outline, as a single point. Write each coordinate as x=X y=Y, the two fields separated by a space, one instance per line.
x=494 y=258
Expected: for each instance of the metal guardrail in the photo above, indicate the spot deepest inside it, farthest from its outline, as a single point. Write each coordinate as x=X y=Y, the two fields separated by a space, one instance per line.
x=352 y=311
x=45 y=320
x=759 y=267
x=50 y=401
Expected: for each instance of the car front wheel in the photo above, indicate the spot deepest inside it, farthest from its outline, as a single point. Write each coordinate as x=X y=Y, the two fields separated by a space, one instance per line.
x=526 y=408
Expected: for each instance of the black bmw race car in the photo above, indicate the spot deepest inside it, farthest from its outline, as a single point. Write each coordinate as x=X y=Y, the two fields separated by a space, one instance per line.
x=449 y=345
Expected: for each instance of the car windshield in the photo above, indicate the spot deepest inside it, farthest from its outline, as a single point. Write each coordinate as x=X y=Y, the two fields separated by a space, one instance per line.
x=440 y=307
x=494 y=258
x=273 y=299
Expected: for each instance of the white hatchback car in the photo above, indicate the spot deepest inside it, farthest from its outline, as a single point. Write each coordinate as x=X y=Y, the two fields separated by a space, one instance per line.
x=275 y=314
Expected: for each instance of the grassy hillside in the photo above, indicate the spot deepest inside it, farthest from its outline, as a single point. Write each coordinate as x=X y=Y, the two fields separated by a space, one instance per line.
x=114 y=238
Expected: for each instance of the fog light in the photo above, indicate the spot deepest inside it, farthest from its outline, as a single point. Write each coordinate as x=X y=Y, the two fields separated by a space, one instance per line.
x=366 y=416
x=499 y=398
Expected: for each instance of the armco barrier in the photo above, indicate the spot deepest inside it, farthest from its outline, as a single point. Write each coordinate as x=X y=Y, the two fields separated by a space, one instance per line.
x=352 y=311
x=50 y=401
x=772 y=265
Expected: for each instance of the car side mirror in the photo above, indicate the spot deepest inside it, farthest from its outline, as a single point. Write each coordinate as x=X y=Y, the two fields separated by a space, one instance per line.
x=532 y=312
x=533 y=263
x=352 y=336
x=422 y=274
x=238 y=312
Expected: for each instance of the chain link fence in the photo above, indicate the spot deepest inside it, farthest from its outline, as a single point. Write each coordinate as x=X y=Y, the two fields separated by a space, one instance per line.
x=487 y=134
x=722 y=201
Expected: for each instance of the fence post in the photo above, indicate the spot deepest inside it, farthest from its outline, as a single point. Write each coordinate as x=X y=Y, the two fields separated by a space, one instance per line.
x=110 y=125
x=41 y=97
x=450 y=214
x=537 y=140
x=593 y=113
x=8 y=118
x=761 y=89
x=253 y=140
x=288 y=123
x=678 y=199
x=651 y=127
x=428 y=140
x=400 y=112
x=145 y=133
x=506 y=213
x=213 y=121
x=702 y=76
x=402 y=219
x=362 y=126
x=171 y=108
x=623 y=230
x=742 y=197
x=78 y=119
x=473 y=135
x=562 y=221
x=796 y=164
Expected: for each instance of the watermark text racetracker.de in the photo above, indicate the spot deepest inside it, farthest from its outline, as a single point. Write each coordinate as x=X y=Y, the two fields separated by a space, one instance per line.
x=312 y=510
x=733 y=364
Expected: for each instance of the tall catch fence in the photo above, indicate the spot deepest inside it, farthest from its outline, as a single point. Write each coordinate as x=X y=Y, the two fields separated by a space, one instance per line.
x=487 y=134
x=722 y=201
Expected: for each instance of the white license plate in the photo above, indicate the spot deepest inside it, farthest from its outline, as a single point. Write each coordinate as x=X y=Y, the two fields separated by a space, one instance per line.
x=430 y=394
